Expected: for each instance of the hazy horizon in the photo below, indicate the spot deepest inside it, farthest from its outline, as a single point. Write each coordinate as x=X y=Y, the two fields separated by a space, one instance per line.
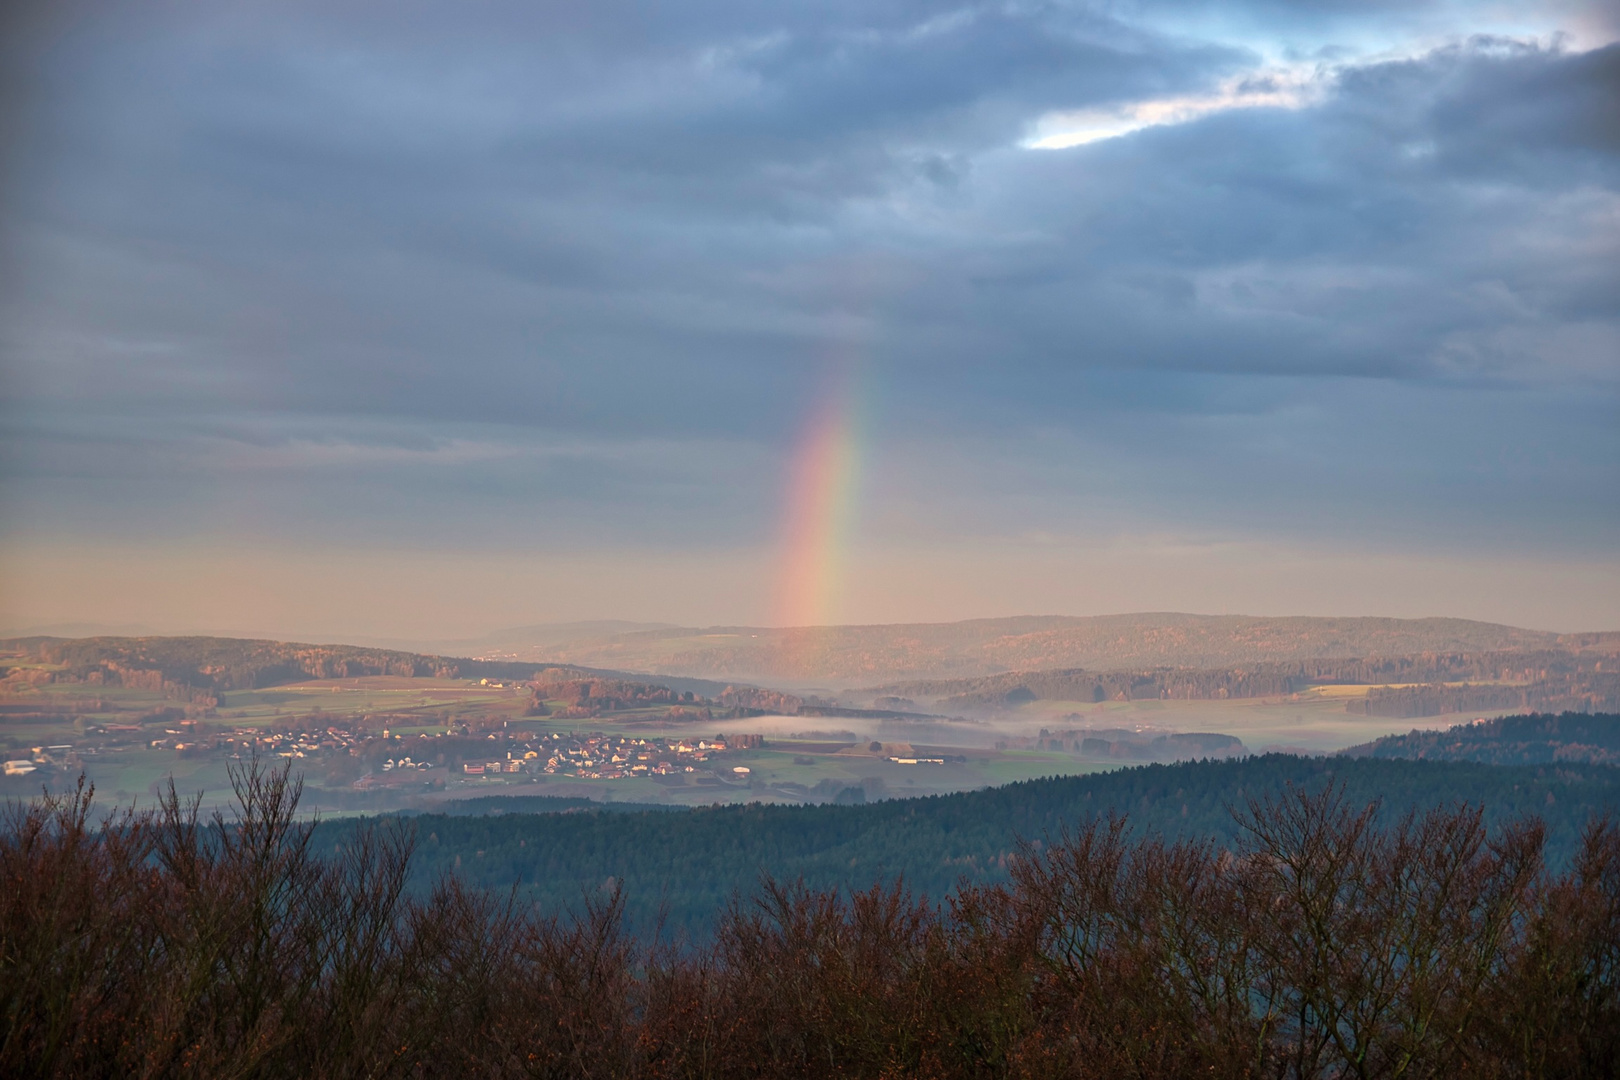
x=413 y=324
x=573 y=632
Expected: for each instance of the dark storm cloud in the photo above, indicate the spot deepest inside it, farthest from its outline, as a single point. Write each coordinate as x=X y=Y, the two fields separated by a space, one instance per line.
x=381 y=207
x=503 y=244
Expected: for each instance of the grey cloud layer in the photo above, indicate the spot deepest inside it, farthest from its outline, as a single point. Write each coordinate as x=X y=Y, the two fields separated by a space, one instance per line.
x=291 y=228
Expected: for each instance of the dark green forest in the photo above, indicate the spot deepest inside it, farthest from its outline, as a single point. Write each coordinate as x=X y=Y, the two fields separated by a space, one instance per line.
x=685 y=865
x=1536 y=739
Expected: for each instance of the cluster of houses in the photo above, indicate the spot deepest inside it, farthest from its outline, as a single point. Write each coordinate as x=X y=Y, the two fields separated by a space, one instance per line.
x=187 y=737
x=601 y=757
x=588 y=755
x=591 y=756
x=243 y=741
x=297 y=744
x=614 y=757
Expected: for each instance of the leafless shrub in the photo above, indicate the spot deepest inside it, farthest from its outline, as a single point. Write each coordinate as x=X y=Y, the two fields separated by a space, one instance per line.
x=1326 y=944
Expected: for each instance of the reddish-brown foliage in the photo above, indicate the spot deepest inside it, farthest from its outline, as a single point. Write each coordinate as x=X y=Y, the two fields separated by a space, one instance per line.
x=1326 y=945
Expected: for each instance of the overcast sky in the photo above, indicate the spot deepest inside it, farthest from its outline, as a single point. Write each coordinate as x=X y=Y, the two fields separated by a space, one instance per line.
x=420 y=320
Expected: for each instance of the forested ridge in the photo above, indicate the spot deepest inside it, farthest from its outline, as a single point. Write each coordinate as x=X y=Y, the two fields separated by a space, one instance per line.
x=1536 y=739
x=684 y=865
x=215 y=664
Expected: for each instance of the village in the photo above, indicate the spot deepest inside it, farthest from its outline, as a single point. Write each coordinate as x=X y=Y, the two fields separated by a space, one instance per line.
x=457 y=754
x=593 y=756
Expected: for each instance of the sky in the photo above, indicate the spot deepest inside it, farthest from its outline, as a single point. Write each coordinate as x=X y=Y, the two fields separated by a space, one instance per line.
x=418 y=320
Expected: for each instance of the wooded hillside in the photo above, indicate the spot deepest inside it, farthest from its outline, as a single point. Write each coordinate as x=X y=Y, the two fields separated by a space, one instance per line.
x=219 y=664
x=688 y=863
x=1537 y=739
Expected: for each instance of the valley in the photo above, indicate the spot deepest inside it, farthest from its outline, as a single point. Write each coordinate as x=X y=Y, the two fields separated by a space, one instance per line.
x=374 y=730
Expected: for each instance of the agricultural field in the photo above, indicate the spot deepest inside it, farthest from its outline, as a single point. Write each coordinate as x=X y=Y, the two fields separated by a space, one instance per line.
x=345 y=735
x=332 y=732
x=374 y=741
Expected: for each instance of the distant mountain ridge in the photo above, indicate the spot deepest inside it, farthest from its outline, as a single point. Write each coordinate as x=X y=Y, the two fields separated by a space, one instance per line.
x=850 y=655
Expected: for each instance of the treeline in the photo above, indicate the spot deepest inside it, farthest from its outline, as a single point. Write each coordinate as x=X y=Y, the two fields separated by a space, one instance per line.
x=1097 y=686
x=219 y=664
x=759 y=700
x=1324 y=942
x=681 y=866
x=1510 y=740
x=1136 y=745
x=593 y=697
x=1546 y=678
x=1584 y=692
x=582 y=697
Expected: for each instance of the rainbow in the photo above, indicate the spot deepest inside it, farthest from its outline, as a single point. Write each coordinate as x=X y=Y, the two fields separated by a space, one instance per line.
x=820 y=509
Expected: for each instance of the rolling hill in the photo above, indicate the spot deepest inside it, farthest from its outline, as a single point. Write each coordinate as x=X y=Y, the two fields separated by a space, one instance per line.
x=852 y=655
x=209 y=665
x=1537 y=739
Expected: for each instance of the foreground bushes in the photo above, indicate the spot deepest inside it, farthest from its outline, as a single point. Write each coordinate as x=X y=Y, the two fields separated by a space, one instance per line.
x=1326 y=945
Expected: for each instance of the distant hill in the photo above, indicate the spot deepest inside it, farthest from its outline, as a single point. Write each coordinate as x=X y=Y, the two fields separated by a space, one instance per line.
x=208 y=665
x=519 y=642
x=977 y=660
x=690 y=862
x=80 y=630
x=1537 y=739
x=852 y=655
x=1257 y=657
